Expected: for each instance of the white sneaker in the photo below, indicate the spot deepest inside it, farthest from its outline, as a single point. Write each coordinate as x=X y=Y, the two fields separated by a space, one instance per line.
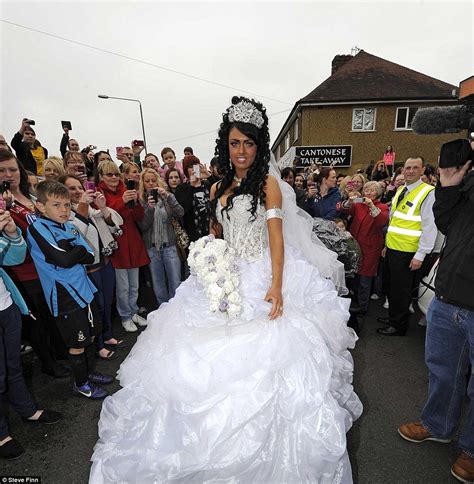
x=374 y=297
x=411 y=309
x=129 y=326
x=385 y=304
x=139 y=320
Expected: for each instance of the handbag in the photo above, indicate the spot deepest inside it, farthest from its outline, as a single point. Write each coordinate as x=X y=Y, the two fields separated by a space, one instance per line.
x=182 y=238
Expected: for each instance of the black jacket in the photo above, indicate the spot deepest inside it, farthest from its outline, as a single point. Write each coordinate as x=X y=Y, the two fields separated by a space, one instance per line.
x=454 y=216
x=23 y=153
x=196 y=217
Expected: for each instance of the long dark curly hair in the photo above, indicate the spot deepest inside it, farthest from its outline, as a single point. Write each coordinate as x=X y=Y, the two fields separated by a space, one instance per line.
x=254 y=183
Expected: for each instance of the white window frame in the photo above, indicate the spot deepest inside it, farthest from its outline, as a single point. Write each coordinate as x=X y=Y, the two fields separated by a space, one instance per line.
x=362 y=130
x=287 y=141
x=406 y=127
x=295 y=130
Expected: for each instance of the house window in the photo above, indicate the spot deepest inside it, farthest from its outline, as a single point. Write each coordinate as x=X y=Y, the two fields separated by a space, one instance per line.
x=363 y=119
x=287 y=141
x=295 y=130
x=404 y=117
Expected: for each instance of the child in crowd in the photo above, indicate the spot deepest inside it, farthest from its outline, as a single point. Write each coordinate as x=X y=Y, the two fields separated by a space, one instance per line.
x=12 y=384
x=169 y=161
x=60 y=253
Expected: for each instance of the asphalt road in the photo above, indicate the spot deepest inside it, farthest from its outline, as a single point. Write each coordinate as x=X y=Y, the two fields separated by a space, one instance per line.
x=390 y=378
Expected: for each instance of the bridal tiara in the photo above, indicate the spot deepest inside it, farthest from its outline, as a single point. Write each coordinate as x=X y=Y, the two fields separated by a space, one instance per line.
x=246 y=112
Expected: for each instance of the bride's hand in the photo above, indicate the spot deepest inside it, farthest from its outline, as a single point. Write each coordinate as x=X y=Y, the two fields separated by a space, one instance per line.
x=275 y=297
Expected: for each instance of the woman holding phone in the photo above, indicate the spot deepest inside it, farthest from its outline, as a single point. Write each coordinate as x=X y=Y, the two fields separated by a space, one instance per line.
x=131 y=253
x=369 y=218
x=40 y=328
x=323 y=195
x=160 y=206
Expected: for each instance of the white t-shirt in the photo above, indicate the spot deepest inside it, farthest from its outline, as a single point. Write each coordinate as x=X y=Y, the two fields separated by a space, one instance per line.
x=5 y=297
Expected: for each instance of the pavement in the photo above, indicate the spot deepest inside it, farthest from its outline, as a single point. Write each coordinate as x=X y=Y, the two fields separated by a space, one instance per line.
x=390 y=378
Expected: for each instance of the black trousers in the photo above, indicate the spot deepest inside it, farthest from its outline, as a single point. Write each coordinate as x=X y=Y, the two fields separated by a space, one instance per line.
x=42 y=333
x=402 y=282
x=12 y=384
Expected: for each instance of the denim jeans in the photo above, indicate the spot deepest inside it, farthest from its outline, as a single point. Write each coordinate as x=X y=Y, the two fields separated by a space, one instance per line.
x=12 y=384
x=165 y=266
x=449 y=355
x=126 y=291
x=104 y=280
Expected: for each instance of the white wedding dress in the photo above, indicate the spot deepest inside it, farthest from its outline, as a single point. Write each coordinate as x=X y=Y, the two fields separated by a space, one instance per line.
x=208 y=399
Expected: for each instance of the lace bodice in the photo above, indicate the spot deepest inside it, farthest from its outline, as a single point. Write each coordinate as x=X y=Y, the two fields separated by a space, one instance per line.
x=247 y=236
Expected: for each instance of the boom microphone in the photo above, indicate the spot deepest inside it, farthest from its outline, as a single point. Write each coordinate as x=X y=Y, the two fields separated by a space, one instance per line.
x=438 y=120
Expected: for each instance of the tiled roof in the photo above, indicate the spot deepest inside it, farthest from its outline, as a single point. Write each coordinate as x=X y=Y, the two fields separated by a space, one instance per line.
x=367 y=77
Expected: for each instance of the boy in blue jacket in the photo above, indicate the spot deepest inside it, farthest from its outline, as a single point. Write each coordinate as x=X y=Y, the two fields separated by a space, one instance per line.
x=12 y=384
x=60 y=253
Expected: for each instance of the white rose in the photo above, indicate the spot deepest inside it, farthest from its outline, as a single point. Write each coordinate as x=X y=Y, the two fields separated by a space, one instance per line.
x=211 y=277
x=235 y=280
x=234 y=297
x=233 y=310
x=214 y=306
x=228 y=287
x=214 y=291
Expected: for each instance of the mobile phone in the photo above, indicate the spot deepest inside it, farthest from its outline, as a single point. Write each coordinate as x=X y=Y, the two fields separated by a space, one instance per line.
x=3 y=203
x=31 y=122
x=4 y=186
x=66 y=124
x=89 y=185
x=138 y=142
x=119 y=150
x=92 y=147
x=358 y=200
x=130 y=186
x=197 y=171
x=155 y=194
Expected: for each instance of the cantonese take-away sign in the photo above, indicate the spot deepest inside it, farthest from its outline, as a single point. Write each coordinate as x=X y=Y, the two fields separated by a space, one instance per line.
x=335 y=155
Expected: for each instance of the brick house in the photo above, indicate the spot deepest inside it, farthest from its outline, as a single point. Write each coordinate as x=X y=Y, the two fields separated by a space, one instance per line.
x=366 y=104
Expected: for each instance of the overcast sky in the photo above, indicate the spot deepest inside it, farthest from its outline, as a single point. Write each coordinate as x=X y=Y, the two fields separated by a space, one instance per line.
x=277 y=51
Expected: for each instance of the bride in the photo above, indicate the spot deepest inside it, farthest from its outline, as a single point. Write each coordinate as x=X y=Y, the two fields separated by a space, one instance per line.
x=262 y=397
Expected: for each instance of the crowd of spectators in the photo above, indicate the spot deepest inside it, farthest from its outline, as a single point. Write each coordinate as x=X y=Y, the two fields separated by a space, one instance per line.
x=131 y=221
x=362 y=204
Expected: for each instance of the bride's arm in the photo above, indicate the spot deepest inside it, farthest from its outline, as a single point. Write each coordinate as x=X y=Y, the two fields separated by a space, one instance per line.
x=273 y=200
x=215 y=228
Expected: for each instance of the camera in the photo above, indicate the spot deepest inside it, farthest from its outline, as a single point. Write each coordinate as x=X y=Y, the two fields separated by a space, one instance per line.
x=456 y=153
x=4 y=186
x=155 y=194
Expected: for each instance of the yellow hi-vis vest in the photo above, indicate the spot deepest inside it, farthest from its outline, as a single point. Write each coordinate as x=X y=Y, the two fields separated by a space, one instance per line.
x=404 y=231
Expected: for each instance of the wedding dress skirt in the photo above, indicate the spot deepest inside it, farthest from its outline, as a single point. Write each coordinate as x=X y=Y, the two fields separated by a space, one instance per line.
x=245 y=400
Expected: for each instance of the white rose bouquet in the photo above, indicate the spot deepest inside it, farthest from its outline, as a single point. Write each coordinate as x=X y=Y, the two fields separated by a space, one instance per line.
x=213 y=263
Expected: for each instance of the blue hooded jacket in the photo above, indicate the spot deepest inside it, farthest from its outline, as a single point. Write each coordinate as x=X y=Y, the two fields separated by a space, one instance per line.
x=60 y=252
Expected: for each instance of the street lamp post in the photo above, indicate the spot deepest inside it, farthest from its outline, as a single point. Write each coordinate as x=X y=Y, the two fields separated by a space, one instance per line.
x=104 y=96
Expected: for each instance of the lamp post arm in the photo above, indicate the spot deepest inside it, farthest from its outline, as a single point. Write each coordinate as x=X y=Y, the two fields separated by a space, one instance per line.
x=103 y=96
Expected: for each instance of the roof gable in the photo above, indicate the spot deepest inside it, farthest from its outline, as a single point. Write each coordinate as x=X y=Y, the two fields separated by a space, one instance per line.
x=367 y=77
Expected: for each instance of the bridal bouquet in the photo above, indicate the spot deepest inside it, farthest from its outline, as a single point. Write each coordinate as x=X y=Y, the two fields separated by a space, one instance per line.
x=213 y=263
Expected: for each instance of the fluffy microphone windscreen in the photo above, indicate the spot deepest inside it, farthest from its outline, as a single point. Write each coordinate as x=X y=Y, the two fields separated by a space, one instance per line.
x=438 y=120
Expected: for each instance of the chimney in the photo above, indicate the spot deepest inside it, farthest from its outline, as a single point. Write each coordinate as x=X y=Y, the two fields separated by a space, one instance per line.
x=339 y=61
